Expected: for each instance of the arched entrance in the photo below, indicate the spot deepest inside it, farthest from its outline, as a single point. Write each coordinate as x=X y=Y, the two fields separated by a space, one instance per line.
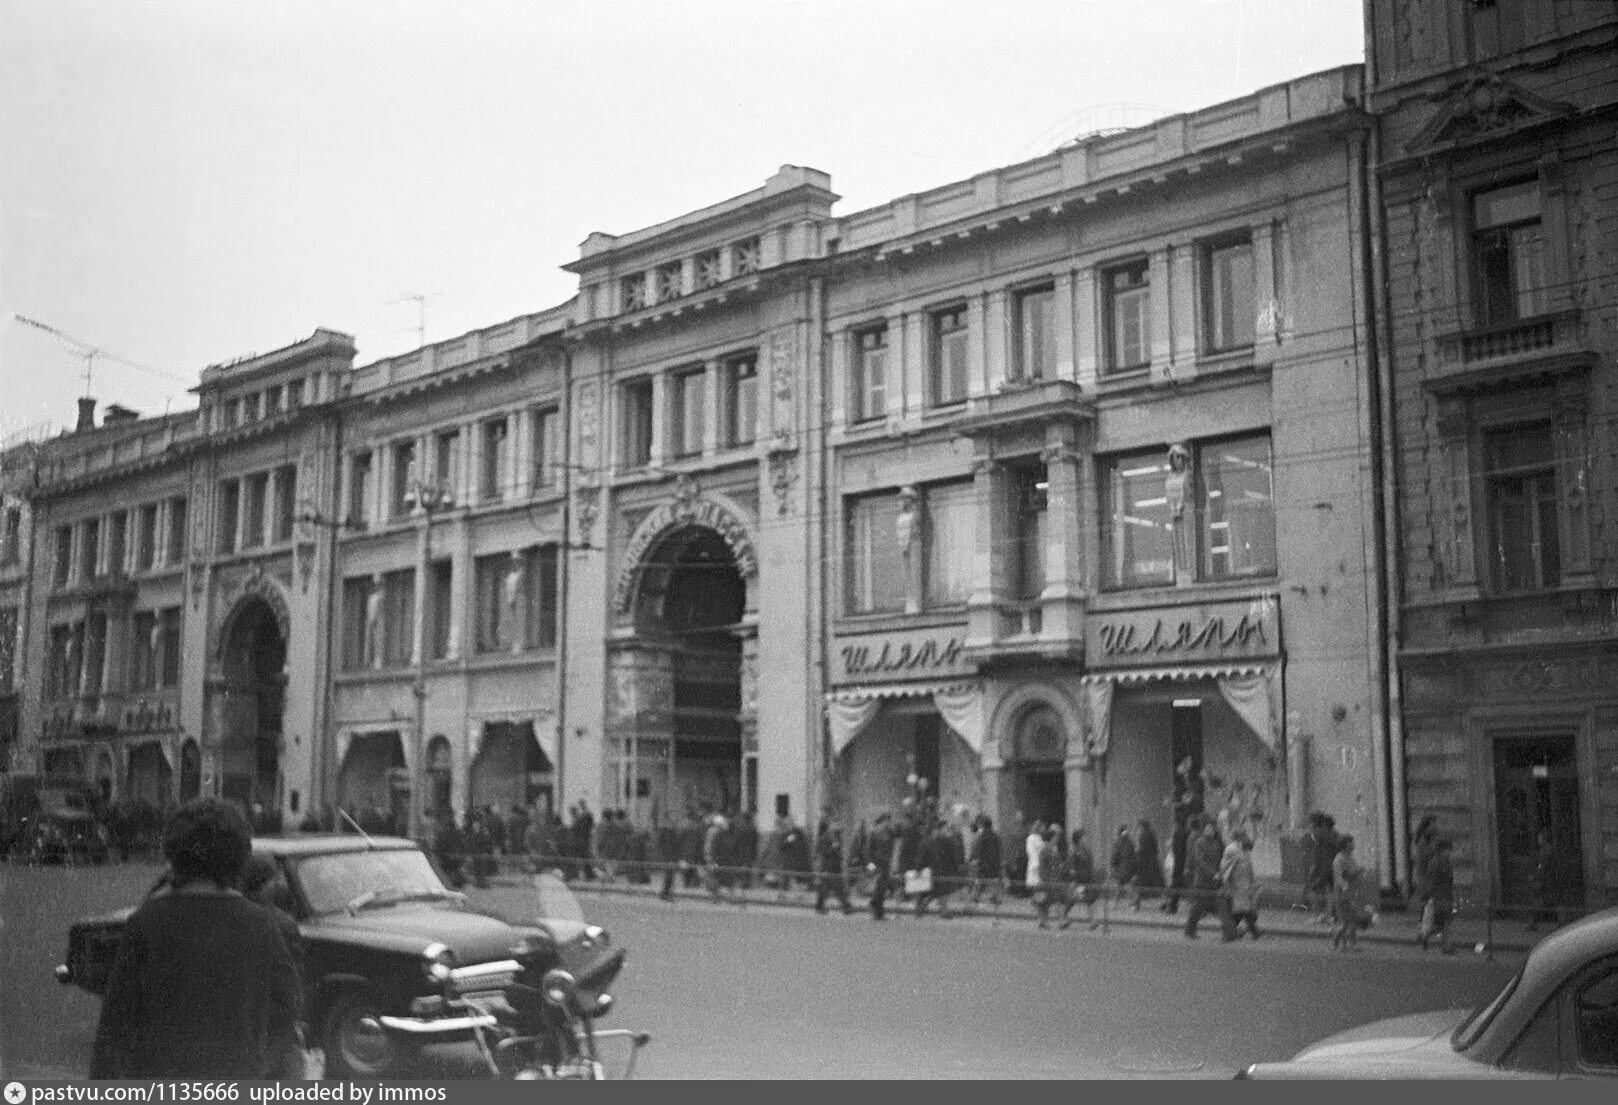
x=686 y=750
x=254 y=698
x=510 y=769
x=1040 y=745
x=373 y=784
x=149 y=776
x=190 y=771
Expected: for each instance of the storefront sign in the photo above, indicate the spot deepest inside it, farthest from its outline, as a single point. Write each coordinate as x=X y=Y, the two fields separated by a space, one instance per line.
x=1183 y=634
x=906 y=654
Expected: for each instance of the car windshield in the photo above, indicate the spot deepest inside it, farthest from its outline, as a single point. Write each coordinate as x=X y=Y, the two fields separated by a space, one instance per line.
x=352 y=880
x=1467 y=1032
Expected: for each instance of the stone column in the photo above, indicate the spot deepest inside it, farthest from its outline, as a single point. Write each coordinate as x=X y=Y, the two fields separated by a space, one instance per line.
x=1159 y=324
x=913 y=350
x=991 y=565
x=976 y=346
x=1062 y=600
x=997 y=343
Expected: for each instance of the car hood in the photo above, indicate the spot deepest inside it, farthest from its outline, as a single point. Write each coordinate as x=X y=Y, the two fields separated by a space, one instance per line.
x=1415 y=1046
x=1388 y=1037
x=409 y=927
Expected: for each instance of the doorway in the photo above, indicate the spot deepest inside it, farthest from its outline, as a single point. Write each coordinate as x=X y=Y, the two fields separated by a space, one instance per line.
x=1536 y=786
x=1044 y=795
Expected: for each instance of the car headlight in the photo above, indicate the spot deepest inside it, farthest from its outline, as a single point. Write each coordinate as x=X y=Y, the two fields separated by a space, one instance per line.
x=438 y=961
x=559 y=986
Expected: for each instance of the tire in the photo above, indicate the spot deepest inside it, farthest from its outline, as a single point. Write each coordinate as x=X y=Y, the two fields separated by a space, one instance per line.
x=353 y=1049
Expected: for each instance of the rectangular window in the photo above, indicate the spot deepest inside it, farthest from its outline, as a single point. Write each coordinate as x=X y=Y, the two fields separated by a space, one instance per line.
x=177 y=524
x=168 y=625
x=359 y=490
x=230 y=501
x=1508 y=254
x=690 y=397
x=250 y=407
x=497 y=579
x=95 y=654
x=401 y=497
x=356 y=616
x=254 y=498
x=495 y=441
x=1237 y=504
x=539 y=564
x=398 y=616
x=8 y=649
x=868 y=390
x=950 y=543
x=272 y=401
x=144 y=648
x=1034 y=356
x=1138 y=544
x=231 y=414
x=875 y=567
x=1127 y=309
x=1030 y=488
x=89 y=549
x=440 y=608
x=64 y=555
x=61 y=669
x=294 y=395
x=547 y=448
x=117 y=534
x=1523 y=514
x=1227 y=294
x=741 y=400
x=447 y=463
x=286 y=499
x=11 y=539
x=635 y=423
x=146 y=538
x=947 y=357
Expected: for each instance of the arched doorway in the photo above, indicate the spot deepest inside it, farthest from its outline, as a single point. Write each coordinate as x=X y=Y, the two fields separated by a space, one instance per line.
x=254 y=692
x=688 y=753
x=190 y=771
x=373 y=784
x=440 y=778
x=1041 y=745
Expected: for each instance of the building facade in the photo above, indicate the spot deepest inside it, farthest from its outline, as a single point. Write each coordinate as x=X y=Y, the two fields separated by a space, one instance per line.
x=1046 y=492
x=1498 y=172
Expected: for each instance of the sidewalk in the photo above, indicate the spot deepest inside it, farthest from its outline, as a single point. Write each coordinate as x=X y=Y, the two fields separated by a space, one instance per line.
x=1278 y=914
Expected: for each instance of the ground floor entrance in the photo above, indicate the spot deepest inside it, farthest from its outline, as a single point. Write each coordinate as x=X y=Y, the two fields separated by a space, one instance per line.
x=1538 y=837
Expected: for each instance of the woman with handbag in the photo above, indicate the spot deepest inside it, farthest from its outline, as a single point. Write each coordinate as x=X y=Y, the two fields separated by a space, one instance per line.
x=1033 y=875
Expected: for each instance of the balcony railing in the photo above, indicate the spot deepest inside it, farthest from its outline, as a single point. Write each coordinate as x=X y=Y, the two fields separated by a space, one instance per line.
x=1524 y=338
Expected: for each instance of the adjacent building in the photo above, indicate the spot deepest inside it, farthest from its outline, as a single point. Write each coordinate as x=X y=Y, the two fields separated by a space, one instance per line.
x=1498 y=177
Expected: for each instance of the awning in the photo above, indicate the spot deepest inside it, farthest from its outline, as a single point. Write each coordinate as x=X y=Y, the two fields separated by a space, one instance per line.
x=958 y=701
x=1251 y=690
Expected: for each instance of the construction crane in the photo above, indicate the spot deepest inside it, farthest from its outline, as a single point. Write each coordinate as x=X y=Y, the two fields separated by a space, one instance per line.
x=91 y=352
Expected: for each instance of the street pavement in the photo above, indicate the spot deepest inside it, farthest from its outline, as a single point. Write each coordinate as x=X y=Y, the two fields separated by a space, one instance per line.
x=770 y=991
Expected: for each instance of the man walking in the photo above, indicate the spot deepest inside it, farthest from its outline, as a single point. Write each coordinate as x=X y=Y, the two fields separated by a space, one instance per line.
x=880 y=850
x=1202 y=882
x=941 y=854
x=829 y=878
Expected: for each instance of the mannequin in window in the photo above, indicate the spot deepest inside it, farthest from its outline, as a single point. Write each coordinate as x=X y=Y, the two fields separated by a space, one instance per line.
x=1174 y=490
x=373 y=624
x=905 y=527
x=511 y=597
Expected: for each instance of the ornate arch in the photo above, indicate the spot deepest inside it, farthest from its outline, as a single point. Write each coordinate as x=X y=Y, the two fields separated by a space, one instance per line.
x=689 y=507
x=1024 y=700
x=263 y=588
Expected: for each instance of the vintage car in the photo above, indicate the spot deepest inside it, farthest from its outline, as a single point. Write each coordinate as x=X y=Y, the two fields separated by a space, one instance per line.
x=1556 y=1018
x=51 y=820
x=395 y=959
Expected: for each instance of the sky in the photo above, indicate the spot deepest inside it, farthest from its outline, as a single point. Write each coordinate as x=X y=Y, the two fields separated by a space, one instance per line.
x=186 y=181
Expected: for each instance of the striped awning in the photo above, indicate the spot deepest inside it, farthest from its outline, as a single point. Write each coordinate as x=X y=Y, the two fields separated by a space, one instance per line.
x=902 y=690
x=1178 y=672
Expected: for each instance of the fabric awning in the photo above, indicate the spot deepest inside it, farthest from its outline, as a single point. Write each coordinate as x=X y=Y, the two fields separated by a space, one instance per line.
x=958 y=701
x=1251 y=690
x=1179 y=672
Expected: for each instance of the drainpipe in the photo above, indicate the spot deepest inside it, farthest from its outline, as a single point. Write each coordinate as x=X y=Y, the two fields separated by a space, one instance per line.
x=324 y=762
x=815 y=656
x=566 y=570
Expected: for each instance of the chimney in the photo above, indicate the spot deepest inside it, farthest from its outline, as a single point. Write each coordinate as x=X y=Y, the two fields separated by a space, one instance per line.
x=87 y=415
x=116 y=414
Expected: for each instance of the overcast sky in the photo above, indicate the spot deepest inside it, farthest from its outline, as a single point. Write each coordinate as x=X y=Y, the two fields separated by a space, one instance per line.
x=185 y=181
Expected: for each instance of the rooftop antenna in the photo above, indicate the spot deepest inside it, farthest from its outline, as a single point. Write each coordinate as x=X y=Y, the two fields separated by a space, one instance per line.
x=420 y=300
x=90 y=353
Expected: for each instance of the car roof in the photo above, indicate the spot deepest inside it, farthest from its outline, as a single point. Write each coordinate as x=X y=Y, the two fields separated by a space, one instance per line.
x=315 y=844
x=1551 y=962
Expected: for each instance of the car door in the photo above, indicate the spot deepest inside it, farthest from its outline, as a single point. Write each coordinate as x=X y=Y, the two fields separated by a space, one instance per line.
x=1591 y=1011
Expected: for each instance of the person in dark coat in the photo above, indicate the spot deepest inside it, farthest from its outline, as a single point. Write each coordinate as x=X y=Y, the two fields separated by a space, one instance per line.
x=1148 y=862
x=517 y=830
x=692 y=837
x=263 y=884
x=584 y=827
x=744 y=852
x=203 y=985
x=449 y=846
x=1203 y=878
x=1179 y=849
x=1124 y=866
x=480 y=848
x=943 y=854
x=1421 y=854
x=1440 y=905
x=1543 y=882
x=1079 y=881
x=906 y=846
x=987 y=861
x=795 y=855
x=879 y=865
x=830 y=878
x=1322 y=845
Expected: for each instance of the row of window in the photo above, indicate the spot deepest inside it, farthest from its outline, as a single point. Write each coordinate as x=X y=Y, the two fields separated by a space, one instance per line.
x=11 y=535
x=256 y=406
x=1228 y=314
x=77 y=655
x=515 y=610
x=256 y=510
x=97 y=547
x=688 y=388
x=1219 y=508
x=425 y=473
x=674 y=279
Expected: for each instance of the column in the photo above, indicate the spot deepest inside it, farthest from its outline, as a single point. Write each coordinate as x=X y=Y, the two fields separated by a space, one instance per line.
x=1086 y=333
x=660 y=414
x=1061 y=602
x=915 y=366
x=994 y=344
x=465 y=466
x=1063 y=319
x=712 y=389
x=995 y=538
x=1183 y=309
x=522 y=452
x=241 y=514
x=1266 y=296
x=1158 y=325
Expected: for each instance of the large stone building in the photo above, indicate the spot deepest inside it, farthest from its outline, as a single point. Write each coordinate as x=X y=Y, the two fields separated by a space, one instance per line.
x=1498 y=172
x=1028 y=488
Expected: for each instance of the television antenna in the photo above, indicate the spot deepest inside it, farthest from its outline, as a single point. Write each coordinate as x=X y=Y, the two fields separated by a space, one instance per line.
x=420 y=300
x=90 y=352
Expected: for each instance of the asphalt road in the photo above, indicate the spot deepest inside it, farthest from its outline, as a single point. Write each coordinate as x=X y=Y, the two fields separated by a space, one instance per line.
x=771 y=992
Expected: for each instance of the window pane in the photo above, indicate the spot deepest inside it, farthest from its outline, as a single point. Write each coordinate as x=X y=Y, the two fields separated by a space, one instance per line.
x=1140 y=545
x=742 y=406
x=1514 y=203
x=1523 y=507
x=689 y=397
x=1238 y=510
x=1528 y=281
x=875 y=563
x=1230 y=306
x=869 y=388
x=949 y=357
x=1032 y=496
x=637 y=423
x=441 y=607
x=951 y=544
x=1036 y=334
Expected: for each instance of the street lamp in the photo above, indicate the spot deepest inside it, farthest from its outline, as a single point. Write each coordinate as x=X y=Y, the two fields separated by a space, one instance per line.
x=429 y=496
